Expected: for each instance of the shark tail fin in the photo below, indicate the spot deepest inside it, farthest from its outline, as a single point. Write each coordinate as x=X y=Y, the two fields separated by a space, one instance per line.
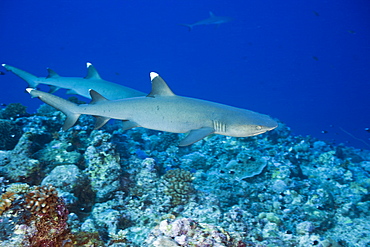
x=29 y=78
x=189 y=26
x=71 y=110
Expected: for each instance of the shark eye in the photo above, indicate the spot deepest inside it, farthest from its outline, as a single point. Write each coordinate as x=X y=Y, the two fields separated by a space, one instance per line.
x=258 y=127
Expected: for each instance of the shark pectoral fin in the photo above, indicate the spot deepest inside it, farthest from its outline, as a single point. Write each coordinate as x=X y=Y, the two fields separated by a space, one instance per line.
x=126 y=125
x=53 y=89
x=196 y=135
x=100 y=121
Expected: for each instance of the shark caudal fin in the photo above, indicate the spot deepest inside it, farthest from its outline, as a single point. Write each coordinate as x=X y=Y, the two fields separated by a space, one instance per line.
x=68 y=108
x=29 y=78
x=189 y=26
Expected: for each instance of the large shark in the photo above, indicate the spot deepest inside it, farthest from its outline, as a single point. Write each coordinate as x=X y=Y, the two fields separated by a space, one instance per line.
x=212 y=20
x=78 y=85
x=163 y=110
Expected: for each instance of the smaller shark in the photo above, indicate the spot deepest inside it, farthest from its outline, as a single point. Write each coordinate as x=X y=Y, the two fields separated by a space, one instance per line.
x=165 y=111
x=212 y=20
x=77 y=85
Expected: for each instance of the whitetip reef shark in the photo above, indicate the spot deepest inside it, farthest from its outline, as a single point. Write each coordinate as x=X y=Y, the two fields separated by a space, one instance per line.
x=164 y=111
x=77 y=85
x=212 y=20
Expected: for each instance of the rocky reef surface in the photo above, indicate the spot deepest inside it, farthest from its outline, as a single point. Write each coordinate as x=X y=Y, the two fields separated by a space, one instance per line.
x=109 y=187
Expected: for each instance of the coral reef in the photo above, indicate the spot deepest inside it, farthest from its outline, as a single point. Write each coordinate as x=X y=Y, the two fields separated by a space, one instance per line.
x=6 y=200
x=102 y=165
x=39 y=217
x=13 y=110
x=187 y=232
x=138 y=188
x=10 y=133
x=16 y=164
x=177 y=185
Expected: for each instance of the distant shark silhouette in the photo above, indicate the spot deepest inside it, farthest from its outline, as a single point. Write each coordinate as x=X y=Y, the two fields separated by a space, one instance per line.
x=77 y=85
x=212 y=20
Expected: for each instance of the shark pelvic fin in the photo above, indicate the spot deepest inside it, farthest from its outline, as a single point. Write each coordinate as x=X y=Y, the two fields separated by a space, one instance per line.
x=196 y=135
x=159 y=86
x=53 y=89
x=71 y=119
x=52 y=73
x=91 y=72
x=126 y=125
x=96 y=97
x=100 y=121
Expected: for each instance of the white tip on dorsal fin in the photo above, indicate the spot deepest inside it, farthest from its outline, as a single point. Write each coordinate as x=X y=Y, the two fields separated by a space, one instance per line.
x=52 y=73
x=153 y=75
x=29 y=90
x=96 y=97
x=91 y=72
x=159 y=86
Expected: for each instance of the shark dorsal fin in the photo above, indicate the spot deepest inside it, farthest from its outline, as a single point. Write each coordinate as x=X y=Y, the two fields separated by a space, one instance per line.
x=159 y=86
x=211 y=14
x=96 y=97
x=52 y=73
x=91 y=72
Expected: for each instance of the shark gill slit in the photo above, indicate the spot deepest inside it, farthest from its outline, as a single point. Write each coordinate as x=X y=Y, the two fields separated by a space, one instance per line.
x=218 y=126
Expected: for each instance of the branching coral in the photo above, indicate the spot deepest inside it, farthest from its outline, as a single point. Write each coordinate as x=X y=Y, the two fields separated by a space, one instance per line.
x=178 y=184
x=6 y=201
x=43 y=199
x=49 y=217
x=41 y=216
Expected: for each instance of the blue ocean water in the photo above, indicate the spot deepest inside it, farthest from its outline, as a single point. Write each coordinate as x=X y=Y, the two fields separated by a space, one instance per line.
x=305 y=63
